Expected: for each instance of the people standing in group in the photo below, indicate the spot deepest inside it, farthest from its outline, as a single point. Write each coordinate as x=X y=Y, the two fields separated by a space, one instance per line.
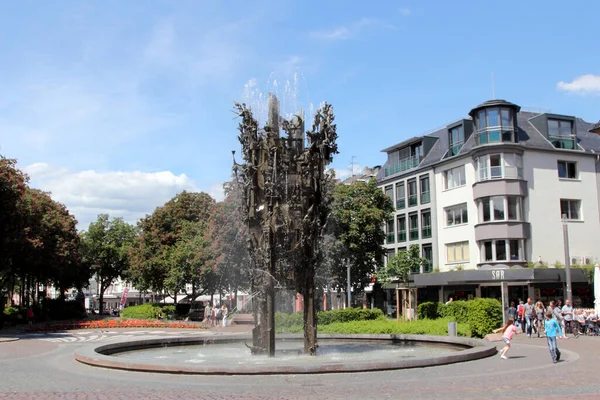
x=540 y=318
x=512 y=311
x=553 y=330
x=521 y=315
x=528 y=314
x=508 y=331
x=567 y=312
x=217 y=316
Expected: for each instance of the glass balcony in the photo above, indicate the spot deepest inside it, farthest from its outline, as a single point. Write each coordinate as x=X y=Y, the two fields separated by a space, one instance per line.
x=414 y=234
x=400 y=203
x=563 y=141
x=425 y=197
x=403 y=165
x=402 y=236
x=495 y=134
x=390 y=238
x=455 y=148
x=412 y=200
x=500 y=173
x=426 y=232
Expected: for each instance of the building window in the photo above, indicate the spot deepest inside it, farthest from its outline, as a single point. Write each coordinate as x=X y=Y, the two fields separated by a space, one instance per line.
x=389 y=192
x=400 y=196
x=389 y=254
x=457 y=252
x=455 y=177
x=425 y=192
x=427 y=252
x=457 y=215
x=500 y=208
x=567 y=169
x=401 y=228
x=412 y=193
x=457 y=139
x=502 y=250
x=390 y=237
x=571 y=209
x=499 y=166
x=495 y=125
x=405 y=159
x=426 y=224
x=560 y=133
x=413 y=227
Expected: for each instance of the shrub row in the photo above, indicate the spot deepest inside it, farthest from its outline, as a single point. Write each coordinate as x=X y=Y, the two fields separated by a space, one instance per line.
x=294 y=322
x=148 y=311
x=384 y=326
x=482 y=315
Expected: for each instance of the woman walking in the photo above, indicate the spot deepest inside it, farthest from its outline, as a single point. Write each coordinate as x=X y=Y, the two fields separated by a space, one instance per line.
x=508 y=331
x=540 y=314
x=552 y=327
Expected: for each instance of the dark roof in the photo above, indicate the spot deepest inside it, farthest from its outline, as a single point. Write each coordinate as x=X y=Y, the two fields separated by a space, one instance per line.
x=494 y=103
x=529 y=138
x=596 y=128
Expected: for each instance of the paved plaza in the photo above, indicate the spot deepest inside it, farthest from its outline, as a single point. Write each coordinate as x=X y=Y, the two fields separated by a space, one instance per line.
x=41 y=366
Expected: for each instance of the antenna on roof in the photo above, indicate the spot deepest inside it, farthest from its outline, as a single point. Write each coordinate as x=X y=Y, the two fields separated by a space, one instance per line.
x=352 y=165
x=493 y=89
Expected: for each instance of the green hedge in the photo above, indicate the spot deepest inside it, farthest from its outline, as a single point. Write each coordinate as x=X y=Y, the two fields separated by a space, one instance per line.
x=291 y=323
x=428 y=310
x=148 y=311
x=384 y=326
x=457 y=311
x=485 y=315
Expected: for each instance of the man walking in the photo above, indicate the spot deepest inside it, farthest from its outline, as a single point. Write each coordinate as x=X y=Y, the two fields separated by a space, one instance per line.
x=528 y=313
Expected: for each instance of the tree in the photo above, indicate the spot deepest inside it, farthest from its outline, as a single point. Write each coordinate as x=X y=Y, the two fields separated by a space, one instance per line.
x=162 y=257
x=106 y=247
x=359 y=212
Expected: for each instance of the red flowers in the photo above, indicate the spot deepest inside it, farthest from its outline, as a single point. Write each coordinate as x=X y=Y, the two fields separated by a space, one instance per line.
x=112 y=323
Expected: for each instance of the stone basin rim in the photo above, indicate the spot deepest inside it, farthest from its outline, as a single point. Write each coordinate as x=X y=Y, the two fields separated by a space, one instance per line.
x=97 y=355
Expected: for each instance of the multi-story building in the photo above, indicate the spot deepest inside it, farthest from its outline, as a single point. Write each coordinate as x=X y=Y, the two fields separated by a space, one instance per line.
x=486 y=197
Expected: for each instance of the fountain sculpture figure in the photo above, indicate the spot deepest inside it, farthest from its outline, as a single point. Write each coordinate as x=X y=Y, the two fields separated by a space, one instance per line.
x=285 y=206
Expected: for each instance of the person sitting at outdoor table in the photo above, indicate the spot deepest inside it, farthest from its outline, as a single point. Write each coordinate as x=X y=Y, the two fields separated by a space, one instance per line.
x=592 y=321
x=580 y=318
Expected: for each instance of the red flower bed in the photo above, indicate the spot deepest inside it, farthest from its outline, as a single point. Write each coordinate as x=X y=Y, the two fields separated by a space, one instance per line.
x=112 y=323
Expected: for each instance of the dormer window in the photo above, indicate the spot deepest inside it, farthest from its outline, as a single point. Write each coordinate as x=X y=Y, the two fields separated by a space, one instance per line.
x=495 y=125
x=560 y=133
x=457 y=139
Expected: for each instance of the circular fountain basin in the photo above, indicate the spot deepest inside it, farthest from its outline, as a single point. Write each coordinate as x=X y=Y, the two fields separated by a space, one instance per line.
x=336 y=353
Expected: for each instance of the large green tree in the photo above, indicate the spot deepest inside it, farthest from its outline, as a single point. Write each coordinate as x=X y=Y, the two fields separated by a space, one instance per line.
x=171 y=250
x=106 y=247
x=359 y=213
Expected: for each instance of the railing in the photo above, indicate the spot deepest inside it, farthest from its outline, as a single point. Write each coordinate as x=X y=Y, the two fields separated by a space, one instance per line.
x=426 y=232
x=563 y=141
x=413 y=200
x=402 y=236
x=495 y=134
x=400 y=203
x=414 y=233
x=403 y=165
x=390 y=238
x=455 y=148
x=500 y=173
x=425 y=197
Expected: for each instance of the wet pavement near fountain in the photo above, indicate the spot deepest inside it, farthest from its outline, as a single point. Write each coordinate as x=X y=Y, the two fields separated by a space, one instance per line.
x=40 y=369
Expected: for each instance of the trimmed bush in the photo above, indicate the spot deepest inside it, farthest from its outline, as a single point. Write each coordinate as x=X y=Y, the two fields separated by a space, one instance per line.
x=349 y=314
x=437 y=327
x=284 y=322
x=484 y=316
x=143 y=311
x=428 y=310
x=457 y=311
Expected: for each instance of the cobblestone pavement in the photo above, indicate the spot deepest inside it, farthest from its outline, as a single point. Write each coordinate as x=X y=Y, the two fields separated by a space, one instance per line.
x=37 y=368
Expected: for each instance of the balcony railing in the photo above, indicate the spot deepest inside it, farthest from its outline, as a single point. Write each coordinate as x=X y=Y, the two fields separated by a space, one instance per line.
x=455 y=148
x=563 y=141
x=426 y=232
x=400 y=203
x=414 y=234
x=412 y=200
x=500 y=173
x=402 y=236
x=425 y=197
x=390 y=238
x=495 y=134
x=403 y=165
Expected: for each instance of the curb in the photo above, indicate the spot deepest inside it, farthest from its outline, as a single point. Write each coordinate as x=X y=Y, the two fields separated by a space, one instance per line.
x=8 y=339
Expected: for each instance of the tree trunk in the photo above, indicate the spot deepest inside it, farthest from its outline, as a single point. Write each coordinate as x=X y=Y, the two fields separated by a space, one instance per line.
x=101 y=296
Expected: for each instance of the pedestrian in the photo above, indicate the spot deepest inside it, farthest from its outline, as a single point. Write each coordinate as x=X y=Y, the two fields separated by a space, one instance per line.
x=224 y=312
x=512 y=311
x=540 y=313
x=207 y=314
x=567 y=312
x=508 y=331
x=30 y=315
x=552 y=327
x=528 y=313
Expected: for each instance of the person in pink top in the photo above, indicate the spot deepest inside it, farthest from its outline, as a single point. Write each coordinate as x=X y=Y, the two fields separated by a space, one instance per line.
x=508 y=331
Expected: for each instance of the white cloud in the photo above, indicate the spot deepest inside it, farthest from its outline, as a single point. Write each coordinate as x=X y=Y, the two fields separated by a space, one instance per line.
x=348 y=172
x=130 y=195
x=216 y=192
x=348 y=31
x=405 y=11
x=584 y=84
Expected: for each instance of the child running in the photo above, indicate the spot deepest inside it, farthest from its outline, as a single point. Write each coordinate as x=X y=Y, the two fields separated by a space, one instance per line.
x=552 y=328
x=508 y=331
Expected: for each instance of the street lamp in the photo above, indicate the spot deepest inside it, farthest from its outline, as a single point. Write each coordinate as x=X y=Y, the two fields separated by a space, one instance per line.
x=567 y=259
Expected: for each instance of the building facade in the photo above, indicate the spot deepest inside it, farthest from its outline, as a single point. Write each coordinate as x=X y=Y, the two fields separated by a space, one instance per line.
x=501 y=185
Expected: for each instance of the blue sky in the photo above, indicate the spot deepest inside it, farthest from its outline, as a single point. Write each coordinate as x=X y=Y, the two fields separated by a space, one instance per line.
x=116 y=106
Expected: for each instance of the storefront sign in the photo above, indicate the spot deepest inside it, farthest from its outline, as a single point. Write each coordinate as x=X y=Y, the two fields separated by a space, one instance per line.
x=498 y=274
